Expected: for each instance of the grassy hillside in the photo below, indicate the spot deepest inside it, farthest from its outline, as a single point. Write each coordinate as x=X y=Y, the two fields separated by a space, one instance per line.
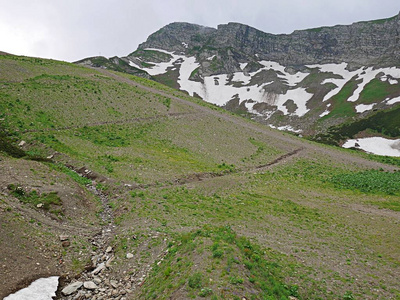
x=210 y=205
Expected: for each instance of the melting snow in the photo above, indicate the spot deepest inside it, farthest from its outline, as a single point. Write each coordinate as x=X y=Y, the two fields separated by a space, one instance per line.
x=219 y=90
x=286 y=127
x=159 y=68
x=41 y=289
x=393 y=101
x=376 y=145
x=184 y=45
x=292 y=80
x=240 y=77
x=326 y=112
x=243 y=65
x=366 y=75
x=211 y=57
x=364 y=107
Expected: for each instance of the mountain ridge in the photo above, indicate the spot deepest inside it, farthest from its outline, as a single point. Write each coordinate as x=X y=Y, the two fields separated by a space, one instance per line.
x=308 y=82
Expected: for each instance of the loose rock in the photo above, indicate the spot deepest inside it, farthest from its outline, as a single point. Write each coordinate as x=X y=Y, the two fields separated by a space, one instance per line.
x=90 y=285
x=98 y=269
x=72 y=288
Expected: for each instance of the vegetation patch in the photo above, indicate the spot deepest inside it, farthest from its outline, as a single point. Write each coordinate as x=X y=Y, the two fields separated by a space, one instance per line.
x=244 y=269
x=43 y=200
x=377 y=90
x=371 y=181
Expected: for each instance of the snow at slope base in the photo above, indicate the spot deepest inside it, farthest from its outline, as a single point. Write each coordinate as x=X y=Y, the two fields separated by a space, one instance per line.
x=41 y=289
x=376 y=145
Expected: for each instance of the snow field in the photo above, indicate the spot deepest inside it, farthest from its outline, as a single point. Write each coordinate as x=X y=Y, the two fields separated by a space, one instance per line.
x=376 y=145
x=41 y=289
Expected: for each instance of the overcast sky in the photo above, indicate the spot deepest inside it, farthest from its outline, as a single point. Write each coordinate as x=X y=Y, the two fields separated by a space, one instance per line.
x=74 y=29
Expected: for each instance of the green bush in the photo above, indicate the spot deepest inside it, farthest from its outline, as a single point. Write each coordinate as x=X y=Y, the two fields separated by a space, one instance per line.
x=195 y=281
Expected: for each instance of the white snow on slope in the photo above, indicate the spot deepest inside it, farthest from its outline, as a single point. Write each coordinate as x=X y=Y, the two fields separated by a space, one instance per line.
x=364 y=107
x=376 y=145
x=159 y=68
x=243 y=65
x=41 y=289
x=326 y=112
x=292 y=79
x=286 y=128
x=393 y=101
x=365 y=74
x=241 y=77
x=210 y=58
x=219 y=90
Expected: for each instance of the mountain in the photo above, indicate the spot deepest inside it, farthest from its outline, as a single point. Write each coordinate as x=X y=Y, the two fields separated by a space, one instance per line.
x=309 y=82
x=124 y=187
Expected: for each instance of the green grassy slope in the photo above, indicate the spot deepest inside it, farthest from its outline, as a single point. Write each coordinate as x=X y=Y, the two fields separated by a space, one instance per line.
x=243 y=210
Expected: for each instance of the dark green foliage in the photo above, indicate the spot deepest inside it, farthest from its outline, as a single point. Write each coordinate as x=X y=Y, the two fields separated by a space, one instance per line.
x=45 y=200
x=195 y=281
x=371 y=181
x=384 y=122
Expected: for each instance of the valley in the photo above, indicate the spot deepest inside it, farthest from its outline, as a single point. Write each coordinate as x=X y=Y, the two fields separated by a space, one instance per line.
x=178 y=198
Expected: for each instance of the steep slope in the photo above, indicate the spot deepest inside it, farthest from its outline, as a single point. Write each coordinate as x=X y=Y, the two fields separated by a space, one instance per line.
x=304 y=82
x=180 y=199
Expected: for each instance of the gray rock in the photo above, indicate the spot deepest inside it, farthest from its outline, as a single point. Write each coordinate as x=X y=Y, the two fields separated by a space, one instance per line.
x=64 y=237
x=114 y=283
x=99 y=268
x=97 y=280
x=90 y=285
x=109 y=249
x=72 y=288
x=129 y=255
x=108 y=263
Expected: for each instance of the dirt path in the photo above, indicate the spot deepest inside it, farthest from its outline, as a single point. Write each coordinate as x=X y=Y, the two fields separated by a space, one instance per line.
x=125 y=121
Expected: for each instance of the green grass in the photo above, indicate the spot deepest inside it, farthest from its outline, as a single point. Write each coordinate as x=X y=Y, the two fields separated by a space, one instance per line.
x=341 y=108
x=244 y=263
x=371 y=181
x=376 y=91
x=45 y=200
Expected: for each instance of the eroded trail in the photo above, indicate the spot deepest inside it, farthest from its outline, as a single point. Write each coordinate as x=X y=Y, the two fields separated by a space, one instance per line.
x=92 y=281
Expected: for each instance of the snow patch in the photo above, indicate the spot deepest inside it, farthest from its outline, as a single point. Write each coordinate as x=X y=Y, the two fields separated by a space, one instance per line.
x=326 y=112
x=41 y=289
x=376 y=145
x=185 y=45
x=292 y=79
x=211 y=57
x=243 y=65
x=393 y=101
x=158 y=68
x=364 y=107
x=286 y=128
x=365 y=74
